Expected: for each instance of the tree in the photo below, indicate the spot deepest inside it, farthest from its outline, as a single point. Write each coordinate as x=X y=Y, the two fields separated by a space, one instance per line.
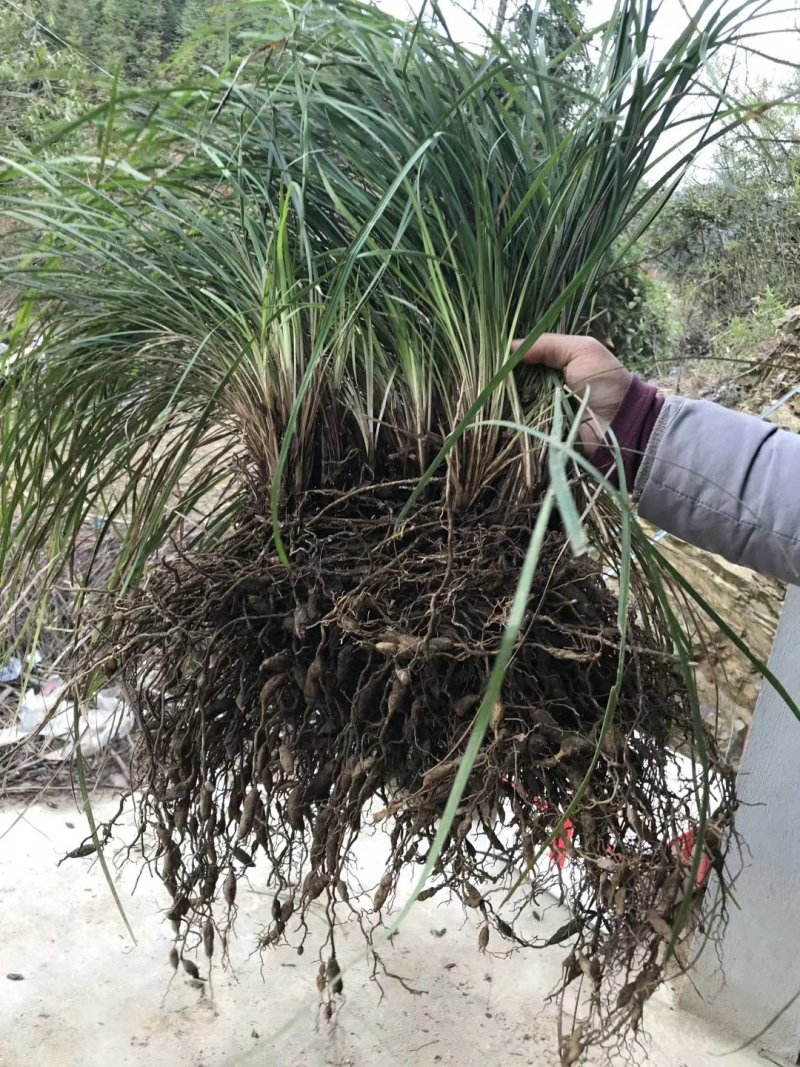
x=559 y=28
x=731 y=240
x=135 y=36
x=194 y=15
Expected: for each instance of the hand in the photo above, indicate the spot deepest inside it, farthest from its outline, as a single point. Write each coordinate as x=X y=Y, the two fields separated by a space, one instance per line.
x=585 y=363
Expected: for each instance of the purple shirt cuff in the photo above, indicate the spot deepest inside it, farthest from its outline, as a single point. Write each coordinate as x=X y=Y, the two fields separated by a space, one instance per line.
x=632 y=425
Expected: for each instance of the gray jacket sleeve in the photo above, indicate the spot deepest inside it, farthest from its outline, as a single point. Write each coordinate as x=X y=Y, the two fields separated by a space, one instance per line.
x=727 y=482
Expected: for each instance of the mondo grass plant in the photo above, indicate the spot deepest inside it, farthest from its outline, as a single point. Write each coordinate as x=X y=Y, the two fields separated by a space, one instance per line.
x=364 y=576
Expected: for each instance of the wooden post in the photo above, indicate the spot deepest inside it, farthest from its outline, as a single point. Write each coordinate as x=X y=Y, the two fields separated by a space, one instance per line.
x=755 y=971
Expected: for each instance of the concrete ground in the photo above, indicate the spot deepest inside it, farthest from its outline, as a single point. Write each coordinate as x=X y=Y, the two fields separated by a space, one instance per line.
x=89 y=997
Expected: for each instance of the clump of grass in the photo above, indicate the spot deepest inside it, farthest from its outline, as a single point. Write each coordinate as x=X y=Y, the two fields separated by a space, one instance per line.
x=273 y=322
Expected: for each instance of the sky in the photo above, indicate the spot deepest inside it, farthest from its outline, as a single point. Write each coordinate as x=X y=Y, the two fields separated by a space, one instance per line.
x=779 y=19
x=777 y=27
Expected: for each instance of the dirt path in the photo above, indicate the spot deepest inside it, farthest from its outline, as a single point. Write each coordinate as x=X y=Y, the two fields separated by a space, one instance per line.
x=89 y=998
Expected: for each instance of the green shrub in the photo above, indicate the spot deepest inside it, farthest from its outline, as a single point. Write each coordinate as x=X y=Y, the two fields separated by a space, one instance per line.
x=741 y=335
x=730 y=246
x=41 y=85
x=633 y=315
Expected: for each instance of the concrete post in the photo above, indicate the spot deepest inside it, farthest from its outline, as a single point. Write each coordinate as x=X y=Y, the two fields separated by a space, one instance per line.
x=757 y=970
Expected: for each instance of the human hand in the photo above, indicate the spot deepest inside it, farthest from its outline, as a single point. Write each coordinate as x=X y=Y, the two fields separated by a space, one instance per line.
x=585 y=363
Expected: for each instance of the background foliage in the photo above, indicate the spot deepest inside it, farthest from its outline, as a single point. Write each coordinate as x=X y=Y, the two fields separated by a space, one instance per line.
x=729 y=245
x=59 y=54
x=720 y=265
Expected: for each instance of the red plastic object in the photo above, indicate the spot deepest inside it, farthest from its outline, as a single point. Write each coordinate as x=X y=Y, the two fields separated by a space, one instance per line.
x=684 y=845
x=558 y=850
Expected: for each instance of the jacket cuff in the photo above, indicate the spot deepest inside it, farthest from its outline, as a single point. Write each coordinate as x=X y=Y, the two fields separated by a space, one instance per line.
x=632 y=426
x=662 y=424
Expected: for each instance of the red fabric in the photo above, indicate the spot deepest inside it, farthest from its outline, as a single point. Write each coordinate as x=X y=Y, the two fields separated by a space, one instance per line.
x=632 y=425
